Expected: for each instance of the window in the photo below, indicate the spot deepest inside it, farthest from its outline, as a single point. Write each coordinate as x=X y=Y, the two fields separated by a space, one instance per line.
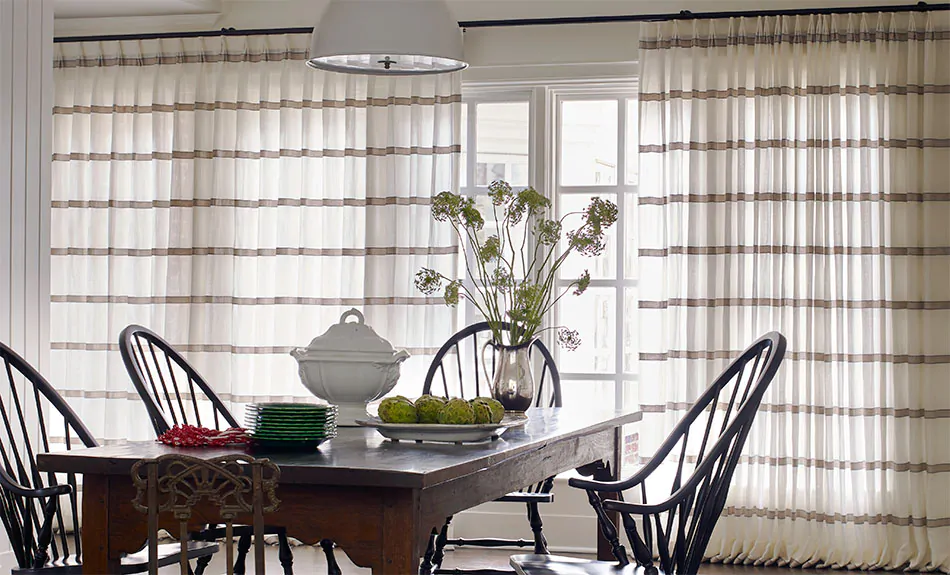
x=498 y=127
x=595 y=145
x=582 y=145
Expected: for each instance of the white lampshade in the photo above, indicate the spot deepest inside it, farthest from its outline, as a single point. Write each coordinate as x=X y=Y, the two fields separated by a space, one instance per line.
x=387 y=37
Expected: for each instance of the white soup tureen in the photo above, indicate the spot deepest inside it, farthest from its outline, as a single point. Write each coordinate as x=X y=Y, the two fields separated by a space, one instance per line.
x=349 y=366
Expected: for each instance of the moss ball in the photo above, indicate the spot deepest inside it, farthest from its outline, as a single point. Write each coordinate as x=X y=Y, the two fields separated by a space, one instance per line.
x=497 y=409
x=428 y=408
x=482 y=411
x=457 y=412
x=397 y=410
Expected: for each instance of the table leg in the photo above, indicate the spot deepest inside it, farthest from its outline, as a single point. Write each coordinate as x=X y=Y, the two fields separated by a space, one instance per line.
x=399 y=552
x=609 y=472
x=95 y=527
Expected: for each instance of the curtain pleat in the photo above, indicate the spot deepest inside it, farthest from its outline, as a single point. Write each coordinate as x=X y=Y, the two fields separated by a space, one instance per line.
x=222 y=193
x=795 y=175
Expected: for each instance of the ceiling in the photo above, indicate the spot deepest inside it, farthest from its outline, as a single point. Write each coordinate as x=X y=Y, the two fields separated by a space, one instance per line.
x=463 y=9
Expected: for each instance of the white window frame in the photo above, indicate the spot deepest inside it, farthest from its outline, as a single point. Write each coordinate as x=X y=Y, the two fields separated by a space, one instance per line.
x=545 y=100
x=471 y=98
x=625 y=193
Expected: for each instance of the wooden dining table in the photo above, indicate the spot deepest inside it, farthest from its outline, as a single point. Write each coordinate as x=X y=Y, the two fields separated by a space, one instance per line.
x=377 y=499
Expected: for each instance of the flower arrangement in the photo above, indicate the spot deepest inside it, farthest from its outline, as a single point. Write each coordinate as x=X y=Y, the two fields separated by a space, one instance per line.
x=513 y=280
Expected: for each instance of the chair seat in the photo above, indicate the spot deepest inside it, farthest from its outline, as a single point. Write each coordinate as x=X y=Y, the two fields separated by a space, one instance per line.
x=527 y=497
x=133 y=563
x=558 y=565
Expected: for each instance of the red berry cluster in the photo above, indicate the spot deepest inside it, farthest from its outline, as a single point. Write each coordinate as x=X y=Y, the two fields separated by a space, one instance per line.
x=192 y=436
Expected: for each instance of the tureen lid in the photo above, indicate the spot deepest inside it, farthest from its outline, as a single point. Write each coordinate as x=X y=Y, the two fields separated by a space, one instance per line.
x=351 y=336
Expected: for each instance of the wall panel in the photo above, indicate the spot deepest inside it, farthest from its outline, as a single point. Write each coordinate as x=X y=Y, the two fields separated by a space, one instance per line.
x=26 y=29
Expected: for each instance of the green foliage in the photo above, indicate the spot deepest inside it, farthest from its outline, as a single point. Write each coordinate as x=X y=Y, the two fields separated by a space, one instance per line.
x=582 y=283
x=513 y=280
x=491 y=250
x=451 y=294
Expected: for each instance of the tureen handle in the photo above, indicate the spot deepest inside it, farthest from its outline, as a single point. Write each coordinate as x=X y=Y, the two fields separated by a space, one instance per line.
x=352 y=313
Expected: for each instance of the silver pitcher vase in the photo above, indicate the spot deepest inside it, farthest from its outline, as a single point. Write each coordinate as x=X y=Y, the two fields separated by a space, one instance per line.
x=513 y=380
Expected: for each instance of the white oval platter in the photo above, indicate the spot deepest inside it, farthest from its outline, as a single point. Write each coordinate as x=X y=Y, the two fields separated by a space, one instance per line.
x=420 y=432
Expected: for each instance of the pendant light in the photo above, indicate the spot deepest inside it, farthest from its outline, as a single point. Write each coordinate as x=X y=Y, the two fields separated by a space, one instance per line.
x=387 y=37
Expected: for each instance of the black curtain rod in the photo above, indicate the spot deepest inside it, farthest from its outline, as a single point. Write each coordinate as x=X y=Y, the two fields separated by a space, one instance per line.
x=688 y=15
x=682 y=15
x=198 y=34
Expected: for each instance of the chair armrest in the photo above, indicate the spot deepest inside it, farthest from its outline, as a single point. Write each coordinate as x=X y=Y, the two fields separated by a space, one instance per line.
x=640 y=508
x=687 y=489
x=525 y=497
x=13 y=486
x=611 y=486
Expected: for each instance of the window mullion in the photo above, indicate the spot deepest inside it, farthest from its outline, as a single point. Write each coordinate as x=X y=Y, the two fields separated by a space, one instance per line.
x=621 y=272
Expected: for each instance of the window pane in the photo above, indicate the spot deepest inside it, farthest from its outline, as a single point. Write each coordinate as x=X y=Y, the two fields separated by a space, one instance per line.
x=633 y=142
x=603 y=266
x=502 y=132
x=463 y=158
x=588 y=154
x=594 y=316
x=591 y=394
x=631 y=343
x=630 y=246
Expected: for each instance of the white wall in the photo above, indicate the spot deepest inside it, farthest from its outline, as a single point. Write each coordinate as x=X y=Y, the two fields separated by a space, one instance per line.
x=26 y=50
x=493 y=48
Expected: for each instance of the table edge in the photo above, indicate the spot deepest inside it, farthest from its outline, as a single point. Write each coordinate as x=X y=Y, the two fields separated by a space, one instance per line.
x=65 y=462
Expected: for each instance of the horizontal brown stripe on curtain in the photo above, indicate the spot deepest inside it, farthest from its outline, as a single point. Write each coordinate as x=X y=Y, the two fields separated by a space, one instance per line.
x=254 y=204
x=762 y=196
x=257 y=106
x=833 y=411
x=787 y=33
x=222 y=193
x=251 y=155
x=794 y=177
x=253 y=253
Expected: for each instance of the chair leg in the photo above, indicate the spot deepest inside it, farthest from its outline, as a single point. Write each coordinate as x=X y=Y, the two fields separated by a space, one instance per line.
x=332 y=567
x=426 y=567
x=534 y=518
x=244 y=545
x=440 y=541
x=201 y=564
x=284 y=553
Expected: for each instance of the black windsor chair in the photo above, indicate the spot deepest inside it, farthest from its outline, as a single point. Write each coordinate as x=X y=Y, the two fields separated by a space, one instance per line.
x=677 y=529
x=171 y=389
x=40 y=511
x=547 y=394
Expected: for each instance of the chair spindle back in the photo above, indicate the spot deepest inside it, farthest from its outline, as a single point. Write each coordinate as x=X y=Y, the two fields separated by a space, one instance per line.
x=39 y=510
x=173 y=391
x=465 y=375
x=705 y=447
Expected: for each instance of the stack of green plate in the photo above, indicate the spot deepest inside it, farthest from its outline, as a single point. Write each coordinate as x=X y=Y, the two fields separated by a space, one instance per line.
x=290 y=425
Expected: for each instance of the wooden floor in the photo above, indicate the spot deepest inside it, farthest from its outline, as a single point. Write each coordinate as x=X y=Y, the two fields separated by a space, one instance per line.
x=310 y=561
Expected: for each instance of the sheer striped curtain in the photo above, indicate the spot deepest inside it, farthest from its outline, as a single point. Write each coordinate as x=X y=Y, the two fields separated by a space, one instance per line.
x=795 y=175
x=222 y=193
